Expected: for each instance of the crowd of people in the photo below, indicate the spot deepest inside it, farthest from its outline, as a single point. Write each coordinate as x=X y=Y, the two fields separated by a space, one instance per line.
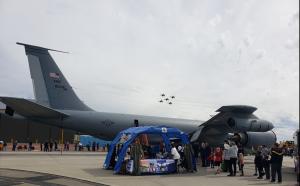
x=269 y=159
x=230 y=158
x=226 y=158
x=49 y=146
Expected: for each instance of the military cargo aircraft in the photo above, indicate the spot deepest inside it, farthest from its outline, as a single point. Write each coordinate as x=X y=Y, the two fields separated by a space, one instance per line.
x=56 y=104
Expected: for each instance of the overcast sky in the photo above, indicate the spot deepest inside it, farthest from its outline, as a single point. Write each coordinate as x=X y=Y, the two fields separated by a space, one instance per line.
x=124 y=54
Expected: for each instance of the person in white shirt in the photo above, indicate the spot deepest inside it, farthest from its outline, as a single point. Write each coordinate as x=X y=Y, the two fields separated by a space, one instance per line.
x=232 y=151
x=226 y=155
x=175 y=155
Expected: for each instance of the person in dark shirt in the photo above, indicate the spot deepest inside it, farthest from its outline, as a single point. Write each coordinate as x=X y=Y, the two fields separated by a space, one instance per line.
x=55 y=146
x=136 y=154
x=30 y=146
x=240 y=150
x=266 y=162
x=276 y=162
x=51 y=146
x=258 y=160
x=202 y=154
x=196 y=150
x=207 y=152
x=94 y=146
x=46 y=146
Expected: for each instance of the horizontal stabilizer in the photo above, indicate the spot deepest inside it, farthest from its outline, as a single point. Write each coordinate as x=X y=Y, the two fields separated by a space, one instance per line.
x=41 y=49
x=30 y=109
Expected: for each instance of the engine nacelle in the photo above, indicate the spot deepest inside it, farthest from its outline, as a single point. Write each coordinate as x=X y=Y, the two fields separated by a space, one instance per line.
x=254 y=139
x=252 y=125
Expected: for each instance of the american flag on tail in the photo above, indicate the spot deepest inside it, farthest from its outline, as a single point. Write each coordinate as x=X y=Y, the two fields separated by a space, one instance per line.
x=54 y=75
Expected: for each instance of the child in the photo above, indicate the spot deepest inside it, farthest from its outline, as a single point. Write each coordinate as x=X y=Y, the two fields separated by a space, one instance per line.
x=211 y=159
x=218 y=159
x=241 y=163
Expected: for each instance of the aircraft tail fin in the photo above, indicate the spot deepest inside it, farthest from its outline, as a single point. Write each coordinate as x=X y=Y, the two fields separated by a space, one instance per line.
x=51 y=88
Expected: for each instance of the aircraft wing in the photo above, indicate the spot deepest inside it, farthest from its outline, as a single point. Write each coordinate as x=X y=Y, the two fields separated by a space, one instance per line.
x=218 y=125
x=229 y=111
x=31 y=109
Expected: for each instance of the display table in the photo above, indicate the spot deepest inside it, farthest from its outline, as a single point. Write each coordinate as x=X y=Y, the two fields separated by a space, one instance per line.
x=154 y=166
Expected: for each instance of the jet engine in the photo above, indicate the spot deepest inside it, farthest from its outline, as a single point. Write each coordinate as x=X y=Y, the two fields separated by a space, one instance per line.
x=254 y=139
x=251 y=124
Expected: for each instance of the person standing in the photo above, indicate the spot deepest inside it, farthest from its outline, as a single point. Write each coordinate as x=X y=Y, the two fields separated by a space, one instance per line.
x=196 y=150
x=207 y=154
x=234 y=157
x=241 y=163
x=76 y=146
x=265 y=151
x=55 y=146
x=88 y=146
x=46 y=146
x=202 y=154
x=30 y=146
x=241 y=150
x=218 y=159
x=68 y=146
x=233 y=150
x=15 y=145
x=258 y=160
x=211 y=159
x=94 y=146
x=226 y=155
x=107 y=147
x=180 y=150
x=276 y=162
x=97 y=146
x=51 y=146
x=136 y=153
x=175 y=155
x=4 y=146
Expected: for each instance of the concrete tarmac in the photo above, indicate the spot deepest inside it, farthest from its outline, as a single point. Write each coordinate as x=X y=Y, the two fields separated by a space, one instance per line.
x=73 y=168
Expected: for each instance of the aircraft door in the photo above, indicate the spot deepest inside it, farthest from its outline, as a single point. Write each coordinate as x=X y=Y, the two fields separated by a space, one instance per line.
x=136 y=123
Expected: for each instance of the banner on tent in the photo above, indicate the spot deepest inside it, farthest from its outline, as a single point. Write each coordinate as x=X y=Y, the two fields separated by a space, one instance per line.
x=154 y=166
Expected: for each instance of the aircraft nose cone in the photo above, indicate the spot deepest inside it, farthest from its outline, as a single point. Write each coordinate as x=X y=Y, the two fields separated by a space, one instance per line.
x=271 y=126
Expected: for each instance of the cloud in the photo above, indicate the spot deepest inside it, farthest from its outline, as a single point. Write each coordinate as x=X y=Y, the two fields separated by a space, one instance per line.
x=286 y=122
x=247 y=41
x=292 y=44
x=294 y=19
x=125 y=53
x=260 y=54
x=215 y=20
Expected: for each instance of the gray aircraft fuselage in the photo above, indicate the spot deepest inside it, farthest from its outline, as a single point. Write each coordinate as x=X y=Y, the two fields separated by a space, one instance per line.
x=106 y=125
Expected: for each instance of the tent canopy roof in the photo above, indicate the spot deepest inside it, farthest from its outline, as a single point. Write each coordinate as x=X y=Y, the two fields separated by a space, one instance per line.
x=151 y=130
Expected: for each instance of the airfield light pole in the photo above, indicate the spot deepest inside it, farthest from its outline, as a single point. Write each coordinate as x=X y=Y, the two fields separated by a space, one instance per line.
x=62 y=136
x=62 y=141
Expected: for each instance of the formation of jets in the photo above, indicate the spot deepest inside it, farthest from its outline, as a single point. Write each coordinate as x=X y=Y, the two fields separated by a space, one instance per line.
x=166 y=99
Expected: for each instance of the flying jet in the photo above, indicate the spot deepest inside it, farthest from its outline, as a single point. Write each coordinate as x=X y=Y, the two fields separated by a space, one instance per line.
x=167 y=99
x=56 y=104
x=161 y=101
x=173 y=97
x=170 y=103
x=163 y=95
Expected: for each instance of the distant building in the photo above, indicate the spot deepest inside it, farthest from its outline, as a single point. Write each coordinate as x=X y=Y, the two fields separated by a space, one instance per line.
x=87 y=139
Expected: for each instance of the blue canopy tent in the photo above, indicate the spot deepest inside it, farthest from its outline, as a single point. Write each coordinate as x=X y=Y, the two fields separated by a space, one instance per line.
x=126 y=137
